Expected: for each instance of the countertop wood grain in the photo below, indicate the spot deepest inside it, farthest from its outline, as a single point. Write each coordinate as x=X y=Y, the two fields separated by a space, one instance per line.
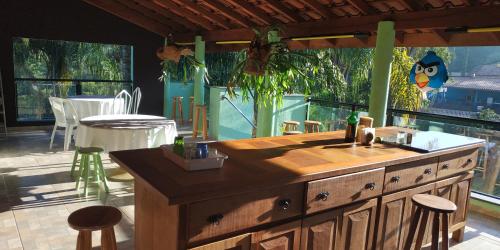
x=256 y=164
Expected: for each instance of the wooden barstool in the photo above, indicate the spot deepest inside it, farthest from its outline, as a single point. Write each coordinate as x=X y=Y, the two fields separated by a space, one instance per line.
x=203 y=110
x=191 y=106
x=95 y=218
x=311 y=126
x=291 y=125
x=177 y=107
x=425 y=204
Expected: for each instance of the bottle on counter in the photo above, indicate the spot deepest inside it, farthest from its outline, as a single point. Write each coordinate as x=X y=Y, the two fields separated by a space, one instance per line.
x=179 y=145
x=352 y=126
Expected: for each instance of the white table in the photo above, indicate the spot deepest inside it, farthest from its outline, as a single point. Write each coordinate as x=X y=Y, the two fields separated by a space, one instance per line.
x=92 y=106
x=122 y=132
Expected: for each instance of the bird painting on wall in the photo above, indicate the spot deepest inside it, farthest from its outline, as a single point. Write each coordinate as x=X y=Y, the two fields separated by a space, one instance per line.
x=429 y=73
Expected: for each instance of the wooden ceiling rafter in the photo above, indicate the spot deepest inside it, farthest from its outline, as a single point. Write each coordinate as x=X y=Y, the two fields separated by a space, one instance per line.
x=400 y=36
x=209 y=15
x=253 y=11
x=412 y=5
x=319 y=8
x=130 y=15
x=362 y=6
x=284 y=10
x=446 y=37
x=228 y=12
x=153 y=14
x=200 y=21
x=170 y=15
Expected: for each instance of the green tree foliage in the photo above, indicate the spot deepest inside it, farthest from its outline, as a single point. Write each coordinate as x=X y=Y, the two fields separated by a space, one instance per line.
x=489 y=114
x=402 y=94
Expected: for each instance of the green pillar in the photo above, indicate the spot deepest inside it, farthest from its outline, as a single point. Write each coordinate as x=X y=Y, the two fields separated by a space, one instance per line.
x=266 y=114
x=381 y=72
x=199 y=80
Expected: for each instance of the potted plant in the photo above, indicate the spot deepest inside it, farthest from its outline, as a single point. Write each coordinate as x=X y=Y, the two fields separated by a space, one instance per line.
x=175 y=58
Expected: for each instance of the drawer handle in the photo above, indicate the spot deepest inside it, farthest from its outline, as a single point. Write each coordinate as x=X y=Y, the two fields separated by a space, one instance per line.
x=370 y=185
x=322 y=196
x=469 y=161
x=395 y=179
x=446 y=166
x=428 y=171
x=284 y=204
x=215 y=219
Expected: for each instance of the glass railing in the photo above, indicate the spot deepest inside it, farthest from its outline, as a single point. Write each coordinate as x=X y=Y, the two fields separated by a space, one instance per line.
x=32 y=95
x=486 y=174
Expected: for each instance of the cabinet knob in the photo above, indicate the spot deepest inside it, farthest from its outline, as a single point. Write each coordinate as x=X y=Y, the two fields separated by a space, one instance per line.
x=215 y=219
x=469 y=161
x=395 y=179
x=446 y=166
x=428 y=171
x=370 y=185
x=284 y=204
x=322 y=196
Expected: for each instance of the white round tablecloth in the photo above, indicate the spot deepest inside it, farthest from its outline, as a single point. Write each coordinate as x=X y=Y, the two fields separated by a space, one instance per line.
x=92 y=106
x=122 y=132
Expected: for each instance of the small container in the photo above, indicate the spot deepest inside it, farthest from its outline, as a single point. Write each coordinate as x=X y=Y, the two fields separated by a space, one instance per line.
x=179 y=145
x=401 y=137
x=203 y=147
x=409 y=138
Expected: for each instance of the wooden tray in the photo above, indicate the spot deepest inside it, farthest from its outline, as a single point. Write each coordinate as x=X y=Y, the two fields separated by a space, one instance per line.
x=212 y=162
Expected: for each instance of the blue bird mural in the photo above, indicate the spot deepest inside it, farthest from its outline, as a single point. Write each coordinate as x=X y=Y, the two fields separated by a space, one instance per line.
x=429 y=73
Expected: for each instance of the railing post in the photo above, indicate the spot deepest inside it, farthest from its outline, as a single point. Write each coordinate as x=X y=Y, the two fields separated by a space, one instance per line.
x=78 y=87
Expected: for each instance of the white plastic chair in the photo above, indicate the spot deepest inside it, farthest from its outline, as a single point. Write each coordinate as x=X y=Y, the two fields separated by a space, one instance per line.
x=66 y=117
x=121 y=103
x=136 y=101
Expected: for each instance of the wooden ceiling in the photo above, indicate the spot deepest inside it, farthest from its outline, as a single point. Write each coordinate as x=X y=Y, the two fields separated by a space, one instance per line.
x=418 y=23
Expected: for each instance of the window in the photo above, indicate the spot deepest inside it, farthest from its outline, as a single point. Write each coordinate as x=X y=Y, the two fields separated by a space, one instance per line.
x=44 y=68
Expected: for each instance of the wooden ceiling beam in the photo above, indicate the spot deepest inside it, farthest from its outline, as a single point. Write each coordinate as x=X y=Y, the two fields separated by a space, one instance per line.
x=400 y=36
x=284 y=10
x=412 y=5
x=153 y=14
x=318 y=8
x=228 y=12
x=362 y=6
x=166 y=13
x=209 y=15
x=480 y=16
x=130 y=15
x=184 y=13
x=446 y=37
x=253 y=11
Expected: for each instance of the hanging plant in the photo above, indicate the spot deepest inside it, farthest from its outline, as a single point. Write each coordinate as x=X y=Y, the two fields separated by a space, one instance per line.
x=179 y=63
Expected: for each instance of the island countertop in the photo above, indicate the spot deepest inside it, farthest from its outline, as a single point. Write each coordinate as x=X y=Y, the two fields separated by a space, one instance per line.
x=261 y=163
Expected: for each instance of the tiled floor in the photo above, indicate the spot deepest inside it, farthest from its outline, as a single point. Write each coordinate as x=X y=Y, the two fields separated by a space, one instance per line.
x=37 y=195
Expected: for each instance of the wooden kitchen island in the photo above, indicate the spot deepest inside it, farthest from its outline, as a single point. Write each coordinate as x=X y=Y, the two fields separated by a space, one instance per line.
x=308 y=191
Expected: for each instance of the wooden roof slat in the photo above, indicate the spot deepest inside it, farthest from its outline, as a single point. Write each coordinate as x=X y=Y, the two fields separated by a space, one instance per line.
x=283 y=10
x=209 y=15
x=400 y=36
x=185 y=14
x=443 y=35
x=153 y=14
x=228 y=12
x=130 y=15
x=362 y=6
x=411 y=4
x=253 y=11
x=170 y=15
x=318 y=8
x=481 y=16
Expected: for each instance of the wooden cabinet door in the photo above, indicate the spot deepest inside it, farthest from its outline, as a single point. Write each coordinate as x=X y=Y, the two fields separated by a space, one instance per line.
x=392 y=219
x=410 y=213
x=322 y=231
x=241 y=242
x=282 y=237
x=457 y=190
x=358 y=224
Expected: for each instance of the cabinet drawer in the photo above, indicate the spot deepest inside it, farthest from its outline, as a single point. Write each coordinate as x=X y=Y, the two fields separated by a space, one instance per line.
x=410 y=174
x=340 y=190
x=226 y=215
x=457 y=162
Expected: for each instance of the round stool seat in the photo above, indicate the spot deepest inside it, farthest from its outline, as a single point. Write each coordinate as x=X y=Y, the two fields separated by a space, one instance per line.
x=94 y=218
x=312 y=122
x=292 y=122
x=434 y=203
x=90 y=150
x=292 y=133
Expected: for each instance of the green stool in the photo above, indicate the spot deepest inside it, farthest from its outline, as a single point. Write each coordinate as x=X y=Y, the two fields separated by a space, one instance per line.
x=75 y=162
x=86 y=171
